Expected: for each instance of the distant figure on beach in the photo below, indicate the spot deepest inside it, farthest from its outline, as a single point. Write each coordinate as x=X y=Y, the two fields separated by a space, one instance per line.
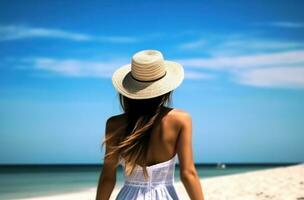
x=149 y=135
x=221 y=166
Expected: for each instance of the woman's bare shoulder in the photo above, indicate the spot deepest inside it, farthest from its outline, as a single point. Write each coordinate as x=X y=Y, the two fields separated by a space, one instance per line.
x=116 y=121
x=179 y=114
x=179 y=117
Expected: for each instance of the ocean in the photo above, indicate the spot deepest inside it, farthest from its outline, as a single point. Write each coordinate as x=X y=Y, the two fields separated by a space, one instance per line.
x=42 y=180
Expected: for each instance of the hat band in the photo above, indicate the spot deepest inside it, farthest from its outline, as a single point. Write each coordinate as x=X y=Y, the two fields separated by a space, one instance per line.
x=149 y=80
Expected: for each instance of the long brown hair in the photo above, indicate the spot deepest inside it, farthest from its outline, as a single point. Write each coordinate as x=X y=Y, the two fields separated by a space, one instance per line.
x=132 y=141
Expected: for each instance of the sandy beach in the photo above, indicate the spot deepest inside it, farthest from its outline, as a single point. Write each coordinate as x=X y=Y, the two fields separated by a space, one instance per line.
x=280 y=183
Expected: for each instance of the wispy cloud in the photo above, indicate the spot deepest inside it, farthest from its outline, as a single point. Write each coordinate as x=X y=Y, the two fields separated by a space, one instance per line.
x=273 y=77
x=282 y=69
x=252 y=62
x=245 y=46
x=82 y=68
x=195 y=75
x=22 y=32
x=17 y=32
x=286 y=24
x=193 y=44
x=69 y=67
x=248 y=61
x=238 y=44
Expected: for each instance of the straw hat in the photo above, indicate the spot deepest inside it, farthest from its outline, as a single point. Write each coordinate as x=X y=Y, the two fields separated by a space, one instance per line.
x=148 y=76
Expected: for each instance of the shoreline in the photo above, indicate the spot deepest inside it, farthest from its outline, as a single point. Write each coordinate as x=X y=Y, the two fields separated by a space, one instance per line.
x=279 y=183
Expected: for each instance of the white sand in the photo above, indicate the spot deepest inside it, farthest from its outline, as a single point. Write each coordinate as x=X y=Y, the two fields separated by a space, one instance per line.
x=281 y=183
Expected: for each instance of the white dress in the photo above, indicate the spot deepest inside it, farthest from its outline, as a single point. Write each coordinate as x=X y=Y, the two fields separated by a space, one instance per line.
x=159 y=186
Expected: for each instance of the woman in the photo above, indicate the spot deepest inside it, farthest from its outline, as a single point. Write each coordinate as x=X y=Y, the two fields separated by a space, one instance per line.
x=149 y=135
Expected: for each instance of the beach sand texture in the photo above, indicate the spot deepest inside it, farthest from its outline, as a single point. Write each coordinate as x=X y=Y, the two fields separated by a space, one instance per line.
x=280 y=183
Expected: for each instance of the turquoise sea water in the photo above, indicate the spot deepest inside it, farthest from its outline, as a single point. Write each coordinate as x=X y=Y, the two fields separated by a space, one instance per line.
x=29 y=181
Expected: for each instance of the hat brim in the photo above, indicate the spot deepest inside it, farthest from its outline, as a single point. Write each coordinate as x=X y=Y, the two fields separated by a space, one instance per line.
x=125 y=84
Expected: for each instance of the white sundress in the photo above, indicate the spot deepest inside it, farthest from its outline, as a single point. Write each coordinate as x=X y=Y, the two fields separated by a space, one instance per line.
x=159 y=185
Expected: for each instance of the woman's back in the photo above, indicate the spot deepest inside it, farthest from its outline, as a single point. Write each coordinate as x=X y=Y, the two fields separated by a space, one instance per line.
x=163 y=136
x=161 y=158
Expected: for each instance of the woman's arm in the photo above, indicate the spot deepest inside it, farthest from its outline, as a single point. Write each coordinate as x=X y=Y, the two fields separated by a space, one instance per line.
x=107 y=179
x=188 y=173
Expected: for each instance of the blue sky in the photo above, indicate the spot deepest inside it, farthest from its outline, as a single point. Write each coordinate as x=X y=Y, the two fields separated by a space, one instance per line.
x=244 y=75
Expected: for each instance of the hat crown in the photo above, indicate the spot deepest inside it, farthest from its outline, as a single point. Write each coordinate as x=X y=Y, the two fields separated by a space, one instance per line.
x=148 y=65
